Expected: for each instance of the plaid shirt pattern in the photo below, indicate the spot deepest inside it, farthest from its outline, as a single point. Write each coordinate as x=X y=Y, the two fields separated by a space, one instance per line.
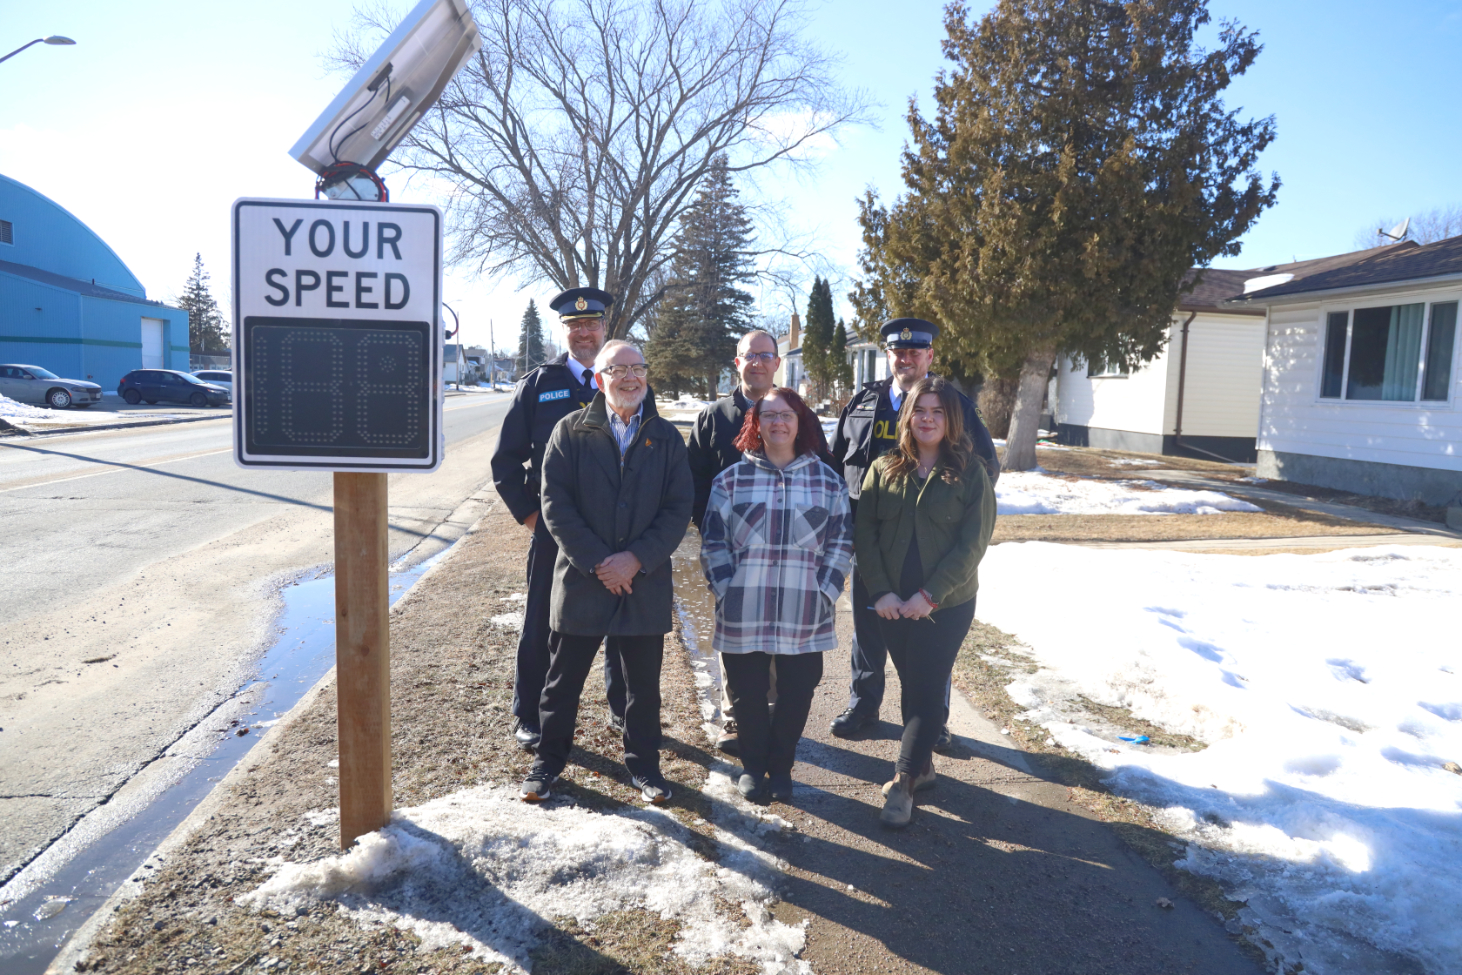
x=776 y=547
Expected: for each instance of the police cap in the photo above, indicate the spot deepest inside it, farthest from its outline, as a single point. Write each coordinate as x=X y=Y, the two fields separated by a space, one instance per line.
x=581 y=303
x=908 y=333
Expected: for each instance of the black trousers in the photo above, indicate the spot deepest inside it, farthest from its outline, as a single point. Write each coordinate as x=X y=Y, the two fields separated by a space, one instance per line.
x=869 y=654
x=923 y=653
x=570 y=658
x=768 y=744
x=532 y=666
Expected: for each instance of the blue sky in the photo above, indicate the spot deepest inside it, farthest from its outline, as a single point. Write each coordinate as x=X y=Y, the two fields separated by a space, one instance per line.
x=166 y=111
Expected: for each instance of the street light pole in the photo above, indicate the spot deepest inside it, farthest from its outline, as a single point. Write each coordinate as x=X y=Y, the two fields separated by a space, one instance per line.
x=53 y=39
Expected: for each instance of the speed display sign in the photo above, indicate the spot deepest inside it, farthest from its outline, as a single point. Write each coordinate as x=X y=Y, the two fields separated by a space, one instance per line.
x=337 y=335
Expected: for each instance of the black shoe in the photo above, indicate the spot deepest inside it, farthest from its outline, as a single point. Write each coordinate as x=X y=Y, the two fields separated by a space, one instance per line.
x=728 y=742
x=616 y=723
x=526 y=735
x=751 y=787
x=852 y=721
x=655 y=790
x=780 y=787
x=538 y=786
x=944 y=744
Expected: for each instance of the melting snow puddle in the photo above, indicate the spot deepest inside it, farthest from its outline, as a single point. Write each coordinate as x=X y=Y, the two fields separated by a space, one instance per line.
x=110 y=844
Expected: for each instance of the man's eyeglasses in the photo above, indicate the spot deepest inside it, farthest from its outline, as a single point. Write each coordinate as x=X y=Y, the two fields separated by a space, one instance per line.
x=785 y=416
x=638 y=370
x=586 y=325
x=757 y=356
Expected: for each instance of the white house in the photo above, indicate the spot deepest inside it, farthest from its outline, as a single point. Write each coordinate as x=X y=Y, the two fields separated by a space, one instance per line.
x=1201 y=393
x=1361 y=385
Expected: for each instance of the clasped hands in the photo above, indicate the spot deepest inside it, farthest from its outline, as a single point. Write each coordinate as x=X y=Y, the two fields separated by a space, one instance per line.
x=617 y=571
x=891 y=607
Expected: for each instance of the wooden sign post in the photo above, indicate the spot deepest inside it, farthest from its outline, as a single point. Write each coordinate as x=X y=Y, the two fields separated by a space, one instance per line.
x=362 y=654
x=338 y=339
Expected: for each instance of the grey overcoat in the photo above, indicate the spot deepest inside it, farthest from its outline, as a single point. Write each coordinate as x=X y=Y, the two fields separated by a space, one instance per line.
x=595 y=506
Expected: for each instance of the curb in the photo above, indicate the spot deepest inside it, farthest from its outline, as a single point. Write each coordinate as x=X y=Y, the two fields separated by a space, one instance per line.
x=88 y=428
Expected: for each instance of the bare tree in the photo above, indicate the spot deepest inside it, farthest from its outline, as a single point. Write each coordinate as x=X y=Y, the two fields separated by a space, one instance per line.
x=1436 y=224
x=570 y=145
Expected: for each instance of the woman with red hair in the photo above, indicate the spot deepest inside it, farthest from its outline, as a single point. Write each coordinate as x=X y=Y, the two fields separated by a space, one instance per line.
x=776 y=545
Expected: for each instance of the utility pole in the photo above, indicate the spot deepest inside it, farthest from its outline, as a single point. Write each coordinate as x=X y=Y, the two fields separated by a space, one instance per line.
x=491 y=357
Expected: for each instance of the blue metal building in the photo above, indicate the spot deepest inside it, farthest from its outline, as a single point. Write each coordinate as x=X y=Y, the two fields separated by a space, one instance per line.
x=69 y=304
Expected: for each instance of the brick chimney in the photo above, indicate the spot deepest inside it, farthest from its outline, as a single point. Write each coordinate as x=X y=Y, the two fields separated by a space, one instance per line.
x=794 y=340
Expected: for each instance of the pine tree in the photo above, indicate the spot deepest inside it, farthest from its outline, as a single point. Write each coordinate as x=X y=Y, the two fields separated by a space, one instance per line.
x=842 y=369
x=817 y=340
x=207 y=330
x=530 y=341
x=1080 y=161
x=705 y=311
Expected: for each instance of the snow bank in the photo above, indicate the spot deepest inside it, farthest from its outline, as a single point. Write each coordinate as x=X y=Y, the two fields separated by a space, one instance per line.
x=1329 y=690
x=483 y=870
x=1042 y=493
x=12 y=409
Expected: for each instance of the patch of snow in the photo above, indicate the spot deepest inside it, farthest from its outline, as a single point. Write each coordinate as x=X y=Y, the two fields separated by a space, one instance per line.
x=13 y=409
x=1326 y=687
x=482 y=870
x=1134 y=462
x=508 y=621
x=1041 y=493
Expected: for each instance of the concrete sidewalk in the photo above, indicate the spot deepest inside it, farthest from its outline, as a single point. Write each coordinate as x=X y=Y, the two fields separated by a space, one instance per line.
x=1000 y=872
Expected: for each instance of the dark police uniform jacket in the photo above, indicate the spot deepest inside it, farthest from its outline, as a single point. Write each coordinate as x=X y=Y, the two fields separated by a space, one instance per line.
x=710 y=447
x=542 y=398
x=869 y=425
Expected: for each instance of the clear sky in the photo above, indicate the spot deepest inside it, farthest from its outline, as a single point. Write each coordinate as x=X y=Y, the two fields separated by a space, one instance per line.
x=166 y=111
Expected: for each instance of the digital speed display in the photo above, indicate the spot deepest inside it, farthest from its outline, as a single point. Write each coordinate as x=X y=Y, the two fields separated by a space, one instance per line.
x=325 y=387
x=337 y=336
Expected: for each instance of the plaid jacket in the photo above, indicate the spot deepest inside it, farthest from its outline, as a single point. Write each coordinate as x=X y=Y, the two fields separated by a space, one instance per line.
x=775 y=547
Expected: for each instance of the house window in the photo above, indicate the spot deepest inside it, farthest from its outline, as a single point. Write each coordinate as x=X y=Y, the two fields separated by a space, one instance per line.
x=1097 y=367
x=7 y=232
x=1393 y=353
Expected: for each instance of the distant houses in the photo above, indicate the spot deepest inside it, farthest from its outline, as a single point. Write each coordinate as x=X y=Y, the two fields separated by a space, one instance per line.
x=69 y=304
x=1361 y=382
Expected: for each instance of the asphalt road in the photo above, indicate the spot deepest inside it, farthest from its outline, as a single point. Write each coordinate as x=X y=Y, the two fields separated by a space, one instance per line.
x=139 y=575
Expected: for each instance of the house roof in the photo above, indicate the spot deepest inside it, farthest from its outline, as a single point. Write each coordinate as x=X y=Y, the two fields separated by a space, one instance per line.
x=1214 y=287
x=1222 y=290
x=1407 y=261
x=89 y=289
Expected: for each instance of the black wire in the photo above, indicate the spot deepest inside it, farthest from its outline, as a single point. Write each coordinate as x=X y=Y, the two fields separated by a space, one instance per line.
x=334 y=154
x=357 y=112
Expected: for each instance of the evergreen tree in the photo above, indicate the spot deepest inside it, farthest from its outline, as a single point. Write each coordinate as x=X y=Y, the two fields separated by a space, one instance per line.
x=842 y=369
x=817 y=340
x=1080 y=161
x=207 y=330
x=531 y=352
x=705 y=311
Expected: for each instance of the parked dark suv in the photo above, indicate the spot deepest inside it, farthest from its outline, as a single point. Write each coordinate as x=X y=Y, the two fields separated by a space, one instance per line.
x=170 y=386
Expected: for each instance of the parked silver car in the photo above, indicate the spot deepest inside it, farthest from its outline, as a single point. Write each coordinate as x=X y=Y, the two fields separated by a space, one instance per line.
x=218 y=377
x=32 y=384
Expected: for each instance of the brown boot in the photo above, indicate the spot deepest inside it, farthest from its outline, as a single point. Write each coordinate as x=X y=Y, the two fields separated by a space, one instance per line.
x=898 y=808
x=924 y=780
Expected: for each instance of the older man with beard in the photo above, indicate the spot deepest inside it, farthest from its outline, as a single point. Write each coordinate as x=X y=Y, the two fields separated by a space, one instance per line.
x=617 y=496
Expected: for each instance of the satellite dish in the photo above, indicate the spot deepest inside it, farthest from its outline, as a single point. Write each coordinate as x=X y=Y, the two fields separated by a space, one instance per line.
x=1397 y=232
x=390 y=92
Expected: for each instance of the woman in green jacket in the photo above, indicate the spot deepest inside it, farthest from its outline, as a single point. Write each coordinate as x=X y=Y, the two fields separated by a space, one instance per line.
x=923 y=522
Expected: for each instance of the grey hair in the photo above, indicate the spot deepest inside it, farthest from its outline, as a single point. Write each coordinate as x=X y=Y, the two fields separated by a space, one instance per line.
x=745 y=342
x=606 y=352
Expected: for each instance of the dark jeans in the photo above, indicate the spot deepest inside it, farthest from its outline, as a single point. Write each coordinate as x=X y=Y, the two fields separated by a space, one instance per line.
x=769 y=743
x=570 y=658
x=532 y=666
x=869 y=654
x=923 y=653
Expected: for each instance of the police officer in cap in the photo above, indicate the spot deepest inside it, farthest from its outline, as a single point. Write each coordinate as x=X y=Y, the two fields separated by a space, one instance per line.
x=542 y=398
x=867 y=427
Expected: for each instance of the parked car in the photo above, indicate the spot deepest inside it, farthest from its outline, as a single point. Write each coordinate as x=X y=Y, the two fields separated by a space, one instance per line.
x=218 y=377
x=170 y=386
x=32 y=384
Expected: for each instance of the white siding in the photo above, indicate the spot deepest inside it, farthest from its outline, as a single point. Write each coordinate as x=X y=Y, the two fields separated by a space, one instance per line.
x=1224 y=373
x=1294 y=419
x=1132 y=403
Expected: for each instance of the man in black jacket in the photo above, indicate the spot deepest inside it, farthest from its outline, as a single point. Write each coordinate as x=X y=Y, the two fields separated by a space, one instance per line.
x=616 y=497
x=711 y=451
x=867 y=427
x=542 y=398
